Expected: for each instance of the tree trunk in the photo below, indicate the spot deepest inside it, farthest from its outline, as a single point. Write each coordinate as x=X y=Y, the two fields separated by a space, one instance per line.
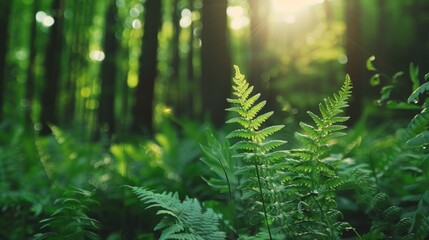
x=259 y=13
x=5 y=10
x=52 y=69
x=215 y=61
x=144 y=99
x=421 y=45
x=191 y=88
x=174 y=84
x=380 y=38
x=106 y=115
x=29 y=88
x=355 y=66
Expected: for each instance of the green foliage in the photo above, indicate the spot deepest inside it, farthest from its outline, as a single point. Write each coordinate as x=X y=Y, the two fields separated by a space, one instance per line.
x=294 y=191
x=70 y=219
x=420 y=218
x=218 y=157
x=260 y=181
x=314 y=179
x=387 y=221
x=181 y=220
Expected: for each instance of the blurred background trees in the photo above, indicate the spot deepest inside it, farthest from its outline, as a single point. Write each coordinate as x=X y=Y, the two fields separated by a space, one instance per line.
x=121 y=67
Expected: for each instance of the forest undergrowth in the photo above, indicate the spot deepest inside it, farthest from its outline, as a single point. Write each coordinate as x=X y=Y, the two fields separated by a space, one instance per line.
x=242 y=182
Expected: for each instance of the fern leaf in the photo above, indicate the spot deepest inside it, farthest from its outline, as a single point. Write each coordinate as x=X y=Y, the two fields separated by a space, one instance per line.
x=185 y=220
x=418 y=124
x=264 y=133
x=251 y=101
x=258 y=121
x=240 y=133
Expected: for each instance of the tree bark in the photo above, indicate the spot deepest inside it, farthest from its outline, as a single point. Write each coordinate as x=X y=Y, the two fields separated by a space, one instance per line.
x=106 y=115
x=5 y=9
x=215 y=61
x=29 y=88
x=174 y=94
x=144 y=98
x=191 y=85
x=355 y=66
x=52 y=69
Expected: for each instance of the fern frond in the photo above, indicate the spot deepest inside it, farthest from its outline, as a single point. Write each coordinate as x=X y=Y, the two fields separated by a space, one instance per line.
x=70 y=221
x=257 y=152
x=314 y=179
x=418 y=124
x=182 y=219
x=327 y=125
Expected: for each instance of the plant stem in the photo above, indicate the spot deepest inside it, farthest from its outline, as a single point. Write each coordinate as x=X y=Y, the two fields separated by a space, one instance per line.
x=262 y=198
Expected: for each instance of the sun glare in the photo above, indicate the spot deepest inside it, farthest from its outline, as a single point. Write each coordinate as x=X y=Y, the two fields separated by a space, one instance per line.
x=288 y=9
x=293 y=6
x=238 y=17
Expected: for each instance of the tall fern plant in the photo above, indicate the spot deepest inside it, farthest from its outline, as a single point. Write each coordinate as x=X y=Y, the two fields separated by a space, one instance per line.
x=311 y=189
x=260 y=181
x=292 y=190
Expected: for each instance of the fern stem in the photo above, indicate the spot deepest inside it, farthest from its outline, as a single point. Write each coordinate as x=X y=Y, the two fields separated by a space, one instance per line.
x=262 y=198
x=230 y=197
x=323 y=216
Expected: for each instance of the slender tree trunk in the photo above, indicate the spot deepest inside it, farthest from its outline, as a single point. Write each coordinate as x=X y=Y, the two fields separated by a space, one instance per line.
x=174 y=92
x=215 y=61
x=106 y=115
x=380 y=38
x=329 y=17
x=259 y=13
x=5 y=9
x=421 y=45
x=355 y=66
x=144 y=99
x=191 y=88
x=52 y=67
x=29 y=89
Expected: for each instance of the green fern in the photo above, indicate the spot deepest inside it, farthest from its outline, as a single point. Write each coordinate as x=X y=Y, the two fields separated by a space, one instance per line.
x=388 y=221
x=313 y=180
x=260 y=181
x=181 y=220
x=70 y=220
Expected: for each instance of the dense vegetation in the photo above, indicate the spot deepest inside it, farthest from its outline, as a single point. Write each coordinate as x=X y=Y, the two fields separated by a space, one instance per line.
x=128 y=120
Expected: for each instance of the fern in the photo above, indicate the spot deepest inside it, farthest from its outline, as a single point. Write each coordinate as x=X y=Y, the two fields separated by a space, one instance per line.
x=387 y=220
x=181 y=220
x=313 y=180
x=260 y=178
x=70 y=219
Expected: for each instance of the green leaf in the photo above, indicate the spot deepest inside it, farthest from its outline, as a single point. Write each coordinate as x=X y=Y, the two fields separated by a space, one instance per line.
x=414 y=75
x=419 y=140
x=241 y=133
x=401 y=105
x=262 y=134
x=420 y=90
x=369 y=64
x=375 y=80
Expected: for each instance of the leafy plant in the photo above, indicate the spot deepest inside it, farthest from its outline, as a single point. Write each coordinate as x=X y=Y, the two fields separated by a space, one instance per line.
x=314 y=179
x=260 y=182
x=293 y=191
x=181 y=220
x=70 y=219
